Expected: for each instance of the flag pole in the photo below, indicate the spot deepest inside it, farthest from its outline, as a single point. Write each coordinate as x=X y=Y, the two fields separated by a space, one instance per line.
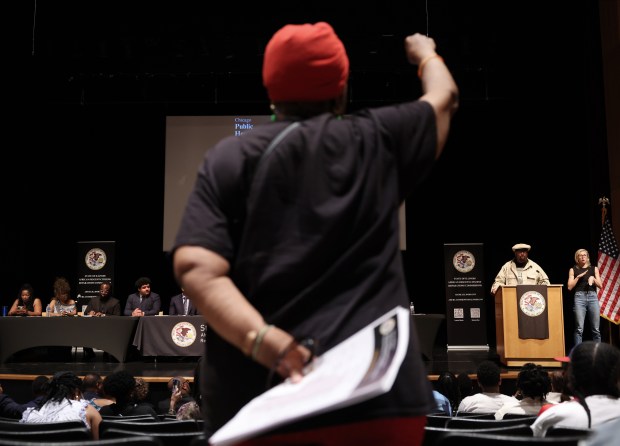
x=603 y=201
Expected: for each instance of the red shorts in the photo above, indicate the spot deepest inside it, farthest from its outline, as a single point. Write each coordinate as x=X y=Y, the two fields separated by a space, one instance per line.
x=378 y=432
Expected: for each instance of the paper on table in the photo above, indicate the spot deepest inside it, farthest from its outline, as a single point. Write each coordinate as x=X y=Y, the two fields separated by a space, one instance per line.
x=361 y=367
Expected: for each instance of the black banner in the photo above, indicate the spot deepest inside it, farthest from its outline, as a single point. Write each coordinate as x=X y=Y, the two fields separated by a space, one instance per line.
x=465 y=297
x=95 y=266
x=532 y=309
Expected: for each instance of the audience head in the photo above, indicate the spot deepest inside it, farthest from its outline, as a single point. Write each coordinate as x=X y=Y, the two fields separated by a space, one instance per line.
x=64 y=385
x=533 y=381
x=559 y=384
x=120 y=385
x=594 y=369
x=448 y=385
x=93 y=382
x=40 y=385
x=141 y=391
x=488 y=375
x=183 y=385
x=465 y=384
x=189 y=411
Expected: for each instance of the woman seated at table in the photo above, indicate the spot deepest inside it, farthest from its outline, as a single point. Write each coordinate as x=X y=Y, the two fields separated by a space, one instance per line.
x=26 y=304
x=62 y=304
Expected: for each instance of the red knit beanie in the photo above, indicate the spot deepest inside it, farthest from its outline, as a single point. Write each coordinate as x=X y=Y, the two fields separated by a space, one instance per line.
x=305 y=63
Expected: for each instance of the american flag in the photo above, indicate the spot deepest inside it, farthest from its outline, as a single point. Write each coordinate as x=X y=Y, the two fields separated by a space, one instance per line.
x=609 y=268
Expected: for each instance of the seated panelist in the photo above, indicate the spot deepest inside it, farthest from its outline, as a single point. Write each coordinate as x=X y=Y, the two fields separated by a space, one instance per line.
x=181 y=305
x=62 y=304
x=26 y=304
x=143 y=302
x=104 y=303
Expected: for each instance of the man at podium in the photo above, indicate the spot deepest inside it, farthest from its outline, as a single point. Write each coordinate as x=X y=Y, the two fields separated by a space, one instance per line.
x=520 y=270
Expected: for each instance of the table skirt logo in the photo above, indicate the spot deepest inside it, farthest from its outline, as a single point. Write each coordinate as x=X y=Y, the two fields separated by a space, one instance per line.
x=532 y=303
x=464 y=261
x=183 y=334
x=95 y=259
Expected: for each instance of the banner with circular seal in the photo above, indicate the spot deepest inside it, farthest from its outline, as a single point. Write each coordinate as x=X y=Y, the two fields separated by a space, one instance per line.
x=95 y=266
x=532 y=309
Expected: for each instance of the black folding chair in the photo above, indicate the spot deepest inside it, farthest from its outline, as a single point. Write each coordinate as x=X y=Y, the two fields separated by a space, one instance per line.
x=60 y=435
x=520 y=416
x=128 y=441
x=432 y=435
x=559 y=431
x=146 y=418
x=476 y=423
x=482 y=439
x=166 y=438
x=52 y=426
x=150 y=428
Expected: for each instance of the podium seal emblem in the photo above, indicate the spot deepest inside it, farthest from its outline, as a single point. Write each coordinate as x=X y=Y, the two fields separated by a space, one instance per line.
x=532 y=303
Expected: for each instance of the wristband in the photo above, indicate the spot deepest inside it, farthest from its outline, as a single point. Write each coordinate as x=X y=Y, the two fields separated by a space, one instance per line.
x=425 y=61
x=258 y=340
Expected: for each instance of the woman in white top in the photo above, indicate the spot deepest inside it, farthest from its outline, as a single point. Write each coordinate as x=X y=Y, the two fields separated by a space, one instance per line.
x=593 y=376
x=62 y=304
x=64 y=402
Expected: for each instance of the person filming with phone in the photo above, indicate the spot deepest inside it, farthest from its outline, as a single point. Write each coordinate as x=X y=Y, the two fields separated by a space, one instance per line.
x=180 y=393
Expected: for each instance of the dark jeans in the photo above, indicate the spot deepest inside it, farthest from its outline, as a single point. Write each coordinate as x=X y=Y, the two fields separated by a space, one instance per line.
x=586 y=304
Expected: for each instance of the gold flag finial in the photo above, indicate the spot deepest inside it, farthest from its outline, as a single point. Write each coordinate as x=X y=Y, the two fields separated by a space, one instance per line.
x=603 y=201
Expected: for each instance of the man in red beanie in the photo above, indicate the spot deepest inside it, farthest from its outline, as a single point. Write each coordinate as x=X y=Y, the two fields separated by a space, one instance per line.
x=291 y=231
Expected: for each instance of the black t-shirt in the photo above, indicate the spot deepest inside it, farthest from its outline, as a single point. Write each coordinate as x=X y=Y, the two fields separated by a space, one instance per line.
x=582 y=282
x=312 y=237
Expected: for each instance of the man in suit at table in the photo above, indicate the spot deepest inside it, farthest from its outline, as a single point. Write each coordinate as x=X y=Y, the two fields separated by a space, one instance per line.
x=143 y=302
x=180 y=305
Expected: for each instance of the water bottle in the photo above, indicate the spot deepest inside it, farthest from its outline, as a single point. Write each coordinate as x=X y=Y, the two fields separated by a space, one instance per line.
x=411 y=308
x=47 y=310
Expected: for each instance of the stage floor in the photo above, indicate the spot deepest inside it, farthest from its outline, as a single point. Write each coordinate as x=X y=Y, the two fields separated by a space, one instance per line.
x=16 y=377
x=160 y=369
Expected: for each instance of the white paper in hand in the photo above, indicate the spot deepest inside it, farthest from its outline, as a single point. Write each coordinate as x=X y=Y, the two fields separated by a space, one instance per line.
x=361 y=367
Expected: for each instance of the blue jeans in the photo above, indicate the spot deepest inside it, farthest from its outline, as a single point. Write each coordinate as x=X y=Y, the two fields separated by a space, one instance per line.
x=586 y=304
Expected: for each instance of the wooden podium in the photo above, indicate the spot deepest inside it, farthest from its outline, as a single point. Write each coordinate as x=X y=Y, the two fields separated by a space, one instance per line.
x=514 y=351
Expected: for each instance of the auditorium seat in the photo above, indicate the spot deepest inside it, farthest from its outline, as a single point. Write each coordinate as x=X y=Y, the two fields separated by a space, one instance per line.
x=47 y=436
x=520 y=416
x=439 y=420
x=559 y=431
x=433 y=434
x=128 y=441
x=149 y=428
x=15 y=425
x=484 y=439
x=166 y=438
x=146 y=418
x=475 y=423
